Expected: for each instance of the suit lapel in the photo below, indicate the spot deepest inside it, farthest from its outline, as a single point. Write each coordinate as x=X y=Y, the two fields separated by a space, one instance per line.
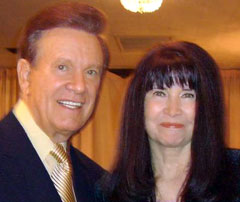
x=83 y=188
x=22 y=165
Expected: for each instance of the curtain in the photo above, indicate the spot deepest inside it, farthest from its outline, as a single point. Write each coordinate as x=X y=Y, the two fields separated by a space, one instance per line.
x=8 y=89
x=99 y=138
x=231 y=83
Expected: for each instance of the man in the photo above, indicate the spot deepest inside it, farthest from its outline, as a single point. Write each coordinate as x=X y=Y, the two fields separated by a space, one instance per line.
x=61 y=62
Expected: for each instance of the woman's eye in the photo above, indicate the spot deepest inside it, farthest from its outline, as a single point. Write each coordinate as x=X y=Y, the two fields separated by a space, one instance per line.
x=188 y=95
x=159 y=93
x=62 y=67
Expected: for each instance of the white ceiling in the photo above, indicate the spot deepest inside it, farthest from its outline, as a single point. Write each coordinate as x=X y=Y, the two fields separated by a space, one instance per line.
x=213 y=24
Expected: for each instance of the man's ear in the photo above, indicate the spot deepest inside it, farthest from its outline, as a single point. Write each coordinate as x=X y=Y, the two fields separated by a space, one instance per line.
x=23 y=71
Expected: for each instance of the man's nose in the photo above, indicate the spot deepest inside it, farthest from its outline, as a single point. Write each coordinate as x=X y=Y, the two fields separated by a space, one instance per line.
x=173 y=107
x=77 y=83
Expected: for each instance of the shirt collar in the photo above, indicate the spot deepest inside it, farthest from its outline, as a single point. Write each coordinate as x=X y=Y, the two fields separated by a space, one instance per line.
x=39 y=139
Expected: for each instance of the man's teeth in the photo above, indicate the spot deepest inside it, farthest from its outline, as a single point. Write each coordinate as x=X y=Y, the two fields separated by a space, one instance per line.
x=70 y=104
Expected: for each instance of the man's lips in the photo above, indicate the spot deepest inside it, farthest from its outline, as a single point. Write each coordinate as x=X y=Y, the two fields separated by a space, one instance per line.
x=171 y=125
x=70 y=104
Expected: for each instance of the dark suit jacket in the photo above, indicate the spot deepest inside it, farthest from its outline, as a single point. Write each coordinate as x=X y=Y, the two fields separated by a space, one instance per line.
x=23 y=177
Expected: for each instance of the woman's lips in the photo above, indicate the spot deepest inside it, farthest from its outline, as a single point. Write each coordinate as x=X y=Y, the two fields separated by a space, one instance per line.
x=171 y=125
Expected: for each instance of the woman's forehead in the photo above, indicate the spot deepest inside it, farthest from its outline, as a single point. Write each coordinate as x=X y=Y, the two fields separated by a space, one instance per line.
x=172 y=80
x=183 y=86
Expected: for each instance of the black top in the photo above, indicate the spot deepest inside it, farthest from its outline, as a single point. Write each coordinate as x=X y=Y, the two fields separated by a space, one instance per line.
x=228 y=184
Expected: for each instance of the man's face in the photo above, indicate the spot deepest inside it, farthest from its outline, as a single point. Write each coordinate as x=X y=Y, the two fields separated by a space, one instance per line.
x=61 y=86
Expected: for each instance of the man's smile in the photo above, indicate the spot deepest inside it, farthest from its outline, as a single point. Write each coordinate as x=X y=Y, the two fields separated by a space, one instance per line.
x=70 y=104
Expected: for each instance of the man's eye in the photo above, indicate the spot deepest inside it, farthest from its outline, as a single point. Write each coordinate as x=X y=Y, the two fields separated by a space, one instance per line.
x=92 y=72
x=159 y=93
x=62 y=67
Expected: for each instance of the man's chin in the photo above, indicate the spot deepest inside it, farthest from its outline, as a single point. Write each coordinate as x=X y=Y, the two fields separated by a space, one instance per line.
x=64 y=134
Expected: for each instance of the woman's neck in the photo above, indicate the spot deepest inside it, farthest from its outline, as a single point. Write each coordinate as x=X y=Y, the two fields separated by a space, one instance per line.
x=168 y=162
x=170 y=167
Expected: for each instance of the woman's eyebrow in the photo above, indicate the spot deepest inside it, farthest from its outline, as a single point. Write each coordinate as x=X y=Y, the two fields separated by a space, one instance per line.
x=187 y=89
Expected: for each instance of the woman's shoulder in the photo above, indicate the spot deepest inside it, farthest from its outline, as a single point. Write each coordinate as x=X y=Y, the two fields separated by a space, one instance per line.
x=233 y=156
x=233 y=163
x=229 y=178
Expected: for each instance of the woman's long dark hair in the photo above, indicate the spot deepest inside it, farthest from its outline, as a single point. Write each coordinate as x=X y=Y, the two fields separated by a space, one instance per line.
x=132 y=179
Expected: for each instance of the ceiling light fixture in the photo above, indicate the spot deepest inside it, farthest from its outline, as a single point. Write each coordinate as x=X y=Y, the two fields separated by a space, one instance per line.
x=141 y=6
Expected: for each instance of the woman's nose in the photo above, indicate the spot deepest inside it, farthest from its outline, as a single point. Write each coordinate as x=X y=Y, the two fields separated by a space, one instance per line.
x=173 y=107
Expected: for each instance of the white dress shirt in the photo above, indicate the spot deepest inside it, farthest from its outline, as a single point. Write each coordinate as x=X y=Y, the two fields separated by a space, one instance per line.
x=40 y=141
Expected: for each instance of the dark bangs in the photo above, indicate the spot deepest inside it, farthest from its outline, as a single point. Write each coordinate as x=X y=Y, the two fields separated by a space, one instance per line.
x=181 y=75
x=168 y=68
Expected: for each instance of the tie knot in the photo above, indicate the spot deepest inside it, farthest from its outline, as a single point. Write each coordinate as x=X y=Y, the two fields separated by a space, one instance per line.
x=59 y=153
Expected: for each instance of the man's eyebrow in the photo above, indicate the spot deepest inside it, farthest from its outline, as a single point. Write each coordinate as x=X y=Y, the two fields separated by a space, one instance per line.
x=62 y=59
x=95 y=66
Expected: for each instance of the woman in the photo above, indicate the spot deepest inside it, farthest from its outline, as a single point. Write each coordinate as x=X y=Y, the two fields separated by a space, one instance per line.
x=172 y=135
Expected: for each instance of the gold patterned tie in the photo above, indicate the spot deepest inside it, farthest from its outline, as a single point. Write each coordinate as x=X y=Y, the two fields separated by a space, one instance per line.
x=62 y=174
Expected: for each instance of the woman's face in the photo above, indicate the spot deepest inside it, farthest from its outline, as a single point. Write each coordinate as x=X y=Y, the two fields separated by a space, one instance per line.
x=169 y=115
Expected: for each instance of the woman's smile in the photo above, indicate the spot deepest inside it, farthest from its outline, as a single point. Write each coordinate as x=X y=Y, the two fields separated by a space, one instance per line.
x=171 y=125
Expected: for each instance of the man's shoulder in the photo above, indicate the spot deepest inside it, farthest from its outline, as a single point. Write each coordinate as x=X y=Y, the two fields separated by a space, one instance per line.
x=85 y=160
x=9 y=121
x=10 y=129
x=85 y=164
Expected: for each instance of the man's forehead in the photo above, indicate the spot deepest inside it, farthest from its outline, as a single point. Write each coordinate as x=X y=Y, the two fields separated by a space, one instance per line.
x=66 y=32
x=65 y=42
